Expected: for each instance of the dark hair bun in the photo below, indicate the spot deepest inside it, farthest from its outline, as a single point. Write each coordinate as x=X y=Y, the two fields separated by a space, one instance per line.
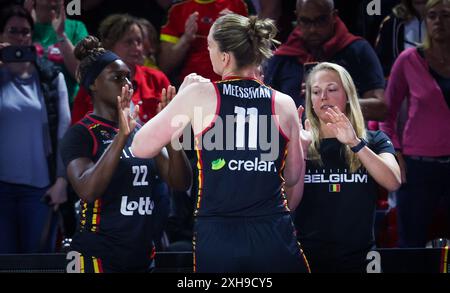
x=88 y=46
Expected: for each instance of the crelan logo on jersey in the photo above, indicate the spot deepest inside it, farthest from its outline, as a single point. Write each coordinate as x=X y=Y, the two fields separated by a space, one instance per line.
x=218 y=164
x=144 y=206
x=255 y=165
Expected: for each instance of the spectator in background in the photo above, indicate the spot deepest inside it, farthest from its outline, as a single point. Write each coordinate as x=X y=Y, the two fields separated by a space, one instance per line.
x=150 y=43
x=58 y=36
x=422 y=77
x=183 y=37
x=369 y=14
x=403 y=29
x=34 y=115
x=344 y=164
x=123 y=34
x=94 y=11
x=321 y=36
x=283 y=12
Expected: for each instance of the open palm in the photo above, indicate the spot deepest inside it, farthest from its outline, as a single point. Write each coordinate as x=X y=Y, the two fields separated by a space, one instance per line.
x=341 y=126
x=127 y=120
x=305 y=133
x=58 y=21
x=166 y=96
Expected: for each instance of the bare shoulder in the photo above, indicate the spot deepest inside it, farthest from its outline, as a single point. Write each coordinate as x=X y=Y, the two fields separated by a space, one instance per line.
x=203 y=87
x=199 y=93
x=286 y=113
x=284 y=104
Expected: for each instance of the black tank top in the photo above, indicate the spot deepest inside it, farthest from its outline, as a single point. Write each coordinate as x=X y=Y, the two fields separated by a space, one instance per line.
x=118 y=226
x=237 y=175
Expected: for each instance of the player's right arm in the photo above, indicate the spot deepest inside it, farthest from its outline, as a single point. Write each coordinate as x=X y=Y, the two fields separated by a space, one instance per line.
x=90 y=179
x=294 y=170
x=295 y=193
x=194 y=103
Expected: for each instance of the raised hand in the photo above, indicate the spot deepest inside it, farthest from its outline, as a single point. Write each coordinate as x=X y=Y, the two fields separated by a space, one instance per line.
x=29 y=6
x=190 y=79
x=305 y=133
x=166 y=97
x=341 y=127
x=127 y=120
x=191 y=26
x=58 y=21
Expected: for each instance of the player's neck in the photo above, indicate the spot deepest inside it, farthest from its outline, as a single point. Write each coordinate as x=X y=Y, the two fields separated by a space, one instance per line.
x=106 y=113
x=249 y=72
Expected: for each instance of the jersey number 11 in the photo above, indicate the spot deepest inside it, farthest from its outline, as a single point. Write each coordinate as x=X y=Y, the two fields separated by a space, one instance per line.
x=252 y=126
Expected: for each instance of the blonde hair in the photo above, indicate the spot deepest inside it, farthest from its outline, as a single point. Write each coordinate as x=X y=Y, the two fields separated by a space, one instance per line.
x=250 y=39
x=430 y=4
x=352 y=111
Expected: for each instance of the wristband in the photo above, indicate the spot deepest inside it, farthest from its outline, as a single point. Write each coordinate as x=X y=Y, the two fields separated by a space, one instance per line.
x=359 y=146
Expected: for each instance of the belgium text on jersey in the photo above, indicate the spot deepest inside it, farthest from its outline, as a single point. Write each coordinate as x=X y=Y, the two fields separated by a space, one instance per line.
x=336 y=178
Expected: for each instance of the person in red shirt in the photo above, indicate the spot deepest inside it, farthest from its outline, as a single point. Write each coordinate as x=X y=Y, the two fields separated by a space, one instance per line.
x=183 y=37
x=122 y=34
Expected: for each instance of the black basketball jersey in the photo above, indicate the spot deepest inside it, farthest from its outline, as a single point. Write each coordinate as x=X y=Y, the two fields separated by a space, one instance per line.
x=241 y=155
x=117 y=227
